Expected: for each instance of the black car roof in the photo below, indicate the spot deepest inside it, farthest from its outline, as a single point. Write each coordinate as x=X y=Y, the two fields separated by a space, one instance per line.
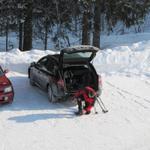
x=54 y=56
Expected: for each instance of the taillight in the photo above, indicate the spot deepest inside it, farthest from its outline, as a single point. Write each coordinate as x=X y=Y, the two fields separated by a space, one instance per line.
x=100 y=80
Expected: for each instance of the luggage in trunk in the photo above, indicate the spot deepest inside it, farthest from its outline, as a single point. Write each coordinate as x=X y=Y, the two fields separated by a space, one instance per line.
x=77 y=77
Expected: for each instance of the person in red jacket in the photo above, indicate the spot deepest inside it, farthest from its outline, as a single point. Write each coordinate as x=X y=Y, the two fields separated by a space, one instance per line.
x=85 y=100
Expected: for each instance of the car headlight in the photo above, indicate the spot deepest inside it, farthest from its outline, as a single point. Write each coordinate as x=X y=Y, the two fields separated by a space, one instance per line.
x=7 y=89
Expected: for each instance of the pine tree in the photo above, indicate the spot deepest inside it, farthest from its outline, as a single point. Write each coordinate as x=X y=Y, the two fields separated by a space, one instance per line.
x=130 y=12
x=97 y=23
x=86 y=8
x=20 y=16
x=7 y=18
x=27 y=41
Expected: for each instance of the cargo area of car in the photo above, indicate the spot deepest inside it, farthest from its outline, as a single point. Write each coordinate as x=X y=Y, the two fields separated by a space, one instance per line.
x=77 y=77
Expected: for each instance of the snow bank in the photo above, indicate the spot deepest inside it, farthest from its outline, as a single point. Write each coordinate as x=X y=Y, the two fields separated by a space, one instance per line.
x=131 y=59
x=18 y=61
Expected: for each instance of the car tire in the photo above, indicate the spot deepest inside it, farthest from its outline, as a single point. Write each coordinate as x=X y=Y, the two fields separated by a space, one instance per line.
x=51 y=96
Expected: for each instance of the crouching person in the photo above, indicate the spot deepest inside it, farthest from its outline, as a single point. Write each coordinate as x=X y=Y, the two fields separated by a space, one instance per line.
x=85 y=100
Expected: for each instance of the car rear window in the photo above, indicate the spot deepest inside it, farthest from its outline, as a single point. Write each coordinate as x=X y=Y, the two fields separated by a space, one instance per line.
x=77 y=55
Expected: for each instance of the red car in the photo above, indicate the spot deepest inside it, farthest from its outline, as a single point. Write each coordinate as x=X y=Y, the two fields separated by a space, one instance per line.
x=6 y=89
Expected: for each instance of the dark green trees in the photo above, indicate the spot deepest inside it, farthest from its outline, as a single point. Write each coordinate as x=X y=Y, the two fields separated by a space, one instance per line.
x=27 y=41
x=59 y=20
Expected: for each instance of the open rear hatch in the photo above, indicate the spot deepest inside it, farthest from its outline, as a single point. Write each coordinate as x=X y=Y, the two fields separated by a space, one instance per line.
x=75 y=66
x=78 y=54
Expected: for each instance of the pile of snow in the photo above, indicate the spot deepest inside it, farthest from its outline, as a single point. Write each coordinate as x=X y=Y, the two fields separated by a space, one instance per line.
x=131 y=59
x=18 y=61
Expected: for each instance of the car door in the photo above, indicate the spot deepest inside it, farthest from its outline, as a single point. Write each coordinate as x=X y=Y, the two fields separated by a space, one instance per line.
x=46 y=72
x=42 y=73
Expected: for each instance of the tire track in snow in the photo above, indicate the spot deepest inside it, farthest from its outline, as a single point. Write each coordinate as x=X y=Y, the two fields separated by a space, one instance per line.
x=132 y=100
x=122 y=93
x=147 y=83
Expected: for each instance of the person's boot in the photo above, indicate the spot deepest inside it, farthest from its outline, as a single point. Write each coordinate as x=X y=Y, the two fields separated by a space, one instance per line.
x=79 y=113
x=79 y=102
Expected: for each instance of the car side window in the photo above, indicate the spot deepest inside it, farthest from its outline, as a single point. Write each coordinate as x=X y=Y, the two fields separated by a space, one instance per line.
x=52 y=66
x=43 y=61
x=48 y=64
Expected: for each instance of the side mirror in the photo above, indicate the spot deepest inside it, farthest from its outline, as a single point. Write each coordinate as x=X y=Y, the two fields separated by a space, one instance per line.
x=6 y=71
x=33 y=63
x=38 y=65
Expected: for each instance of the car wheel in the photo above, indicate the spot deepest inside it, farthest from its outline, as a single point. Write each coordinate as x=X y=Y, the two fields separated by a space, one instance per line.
x=51 y=96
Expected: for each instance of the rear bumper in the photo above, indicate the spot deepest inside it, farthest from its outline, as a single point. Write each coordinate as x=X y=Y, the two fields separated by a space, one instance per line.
x=6 y=98
x=72 y=93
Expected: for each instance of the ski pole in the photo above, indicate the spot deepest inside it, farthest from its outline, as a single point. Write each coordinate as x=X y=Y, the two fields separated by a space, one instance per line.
x=102 y=103
x=96 y=112
x=102 y=106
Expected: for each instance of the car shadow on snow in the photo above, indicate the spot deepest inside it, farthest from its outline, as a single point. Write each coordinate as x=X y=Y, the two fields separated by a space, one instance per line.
x=39 y=117
x=32 y=98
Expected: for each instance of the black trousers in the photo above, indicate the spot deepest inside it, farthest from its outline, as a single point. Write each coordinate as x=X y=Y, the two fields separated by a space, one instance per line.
x=80 y=104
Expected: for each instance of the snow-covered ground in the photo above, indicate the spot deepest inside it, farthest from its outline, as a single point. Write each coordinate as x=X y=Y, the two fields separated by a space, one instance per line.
x=32 y=123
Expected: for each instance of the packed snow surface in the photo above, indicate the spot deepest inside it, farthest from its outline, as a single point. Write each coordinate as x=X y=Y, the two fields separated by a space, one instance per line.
x=32 y=123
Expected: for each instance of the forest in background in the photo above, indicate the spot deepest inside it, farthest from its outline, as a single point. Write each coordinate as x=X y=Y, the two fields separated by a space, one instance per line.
x=59 y=20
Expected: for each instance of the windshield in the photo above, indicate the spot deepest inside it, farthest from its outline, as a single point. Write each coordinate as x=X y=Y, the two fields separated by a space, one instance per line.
x=77 y=55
